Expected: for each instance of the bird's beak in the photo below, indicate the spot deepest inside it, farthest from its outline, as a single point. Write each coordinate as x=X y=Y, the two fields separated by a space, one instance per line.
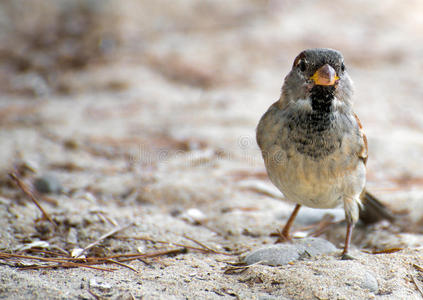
x=325 y=75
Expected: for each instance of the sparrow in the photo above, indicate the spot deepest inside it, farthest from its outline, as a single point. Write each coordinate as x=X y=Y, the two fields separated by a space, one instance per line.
x=313 y=144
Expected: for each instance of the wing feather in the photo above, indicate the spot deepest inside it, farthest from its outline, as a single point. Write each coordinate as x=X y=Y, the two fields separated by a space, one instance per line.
x=363 y=153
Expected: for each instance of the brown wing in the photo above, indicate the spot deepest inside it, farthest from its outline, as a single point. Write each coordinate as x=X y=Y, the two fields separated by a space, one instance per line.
x=363 y=152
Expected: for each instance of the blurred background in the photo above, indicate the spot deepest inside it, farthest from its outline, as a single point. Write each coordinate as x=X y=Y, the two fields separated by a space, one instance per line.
x=160 y=99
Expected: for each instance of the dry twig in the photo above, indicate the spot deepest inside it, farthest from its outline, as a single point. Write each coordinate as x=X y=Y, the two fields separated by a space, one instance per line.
x=24 y=187
x=104 y=236
x=162 y=242
x=384 y=251
x=60 y=262
x=121 y=264
x=67 y=265
x=157 y=254
x=63 y=260
x=417 y=285
x=418 y=268
x=204 y=248
x=96 y=297
x=88 y=262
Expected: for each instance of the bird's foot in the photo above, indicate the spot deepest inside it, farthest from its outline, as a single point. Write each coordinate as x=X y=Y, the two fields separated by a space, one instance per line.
x=282 y=237
x=346 y=256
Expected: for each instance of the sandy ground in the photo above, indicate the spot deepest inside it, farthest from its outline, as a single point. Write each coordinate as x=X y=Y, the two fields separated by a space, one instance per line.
x=146 y=115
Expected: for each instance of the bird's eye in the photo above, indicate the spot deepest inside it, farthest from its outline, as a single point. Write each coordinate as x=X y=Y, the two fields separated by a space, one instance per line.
x=342 y=67
x=302 y=65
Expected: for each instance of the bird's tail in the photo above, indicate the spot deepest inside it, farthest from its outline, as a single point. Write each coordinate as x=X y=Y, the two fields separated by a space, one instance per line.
x=373 y=210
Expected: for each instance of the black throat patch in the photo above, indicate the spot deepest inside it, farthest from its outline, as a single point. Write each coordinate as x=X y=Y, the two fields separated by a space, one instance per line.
x=311 y=131
x=321 y=98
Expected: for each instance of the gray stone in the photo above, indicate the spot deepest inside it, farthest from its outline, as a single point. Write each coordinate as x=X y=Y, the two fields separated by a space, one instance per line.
x=281 y=254
x=370 y=283
x=103 y=286
x=48 y=184
x=315 y=246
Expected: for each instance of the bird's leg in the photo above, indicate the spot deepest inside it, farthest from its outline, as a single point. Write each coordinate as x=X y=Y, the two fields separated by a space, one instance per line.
x=284 y=235
x=350 y=226
x=351 y=207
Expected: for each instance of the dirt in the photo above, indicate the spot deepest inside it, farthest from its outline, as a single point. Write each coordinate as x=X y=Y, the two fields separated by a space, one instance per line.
x=145 y=114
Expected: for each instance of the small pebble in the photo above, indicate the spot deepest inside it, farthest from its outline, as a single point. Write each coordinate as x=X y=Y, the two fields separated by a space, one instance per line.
x=76 y=252
x=100 y=285
x=282 y=254
x=48 y=184
x=194 y=216
x=370 y=283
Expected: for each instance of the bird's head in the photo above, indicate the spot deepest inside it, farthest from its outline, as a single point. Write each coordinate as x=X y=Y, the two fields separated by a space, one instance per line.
x=319 y=75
